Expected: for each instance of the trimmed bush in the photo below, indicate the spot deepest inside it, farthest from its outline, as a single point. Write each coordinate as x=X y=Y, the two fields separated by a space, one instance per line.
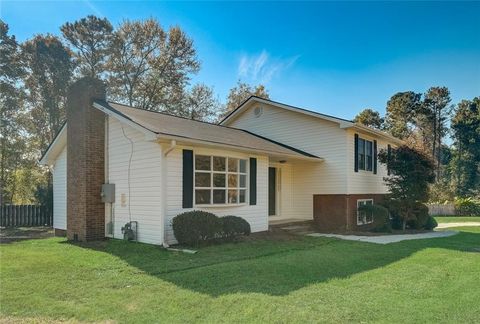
x=194 y=227
x=419 y=213
x=430 y=224
x=381 y=219
x=233 y=226
x=421 y=216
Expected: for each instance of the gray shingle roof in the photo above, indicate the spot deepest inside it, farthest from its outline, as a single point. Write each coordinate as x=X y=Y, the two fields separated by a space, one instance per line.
x=165 y=124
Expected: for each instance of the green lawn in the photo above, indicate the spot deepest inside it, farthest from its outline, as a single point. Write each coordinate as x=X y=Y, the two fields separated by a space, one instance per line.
x=457 y=219
x=302 y=280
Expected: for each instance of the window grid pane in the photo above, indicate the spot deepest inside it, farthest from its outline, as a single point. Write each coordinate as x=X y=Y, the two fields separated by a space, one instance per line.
x=218 y=196
x=232 y=196
x=219 y=163
x=202 y=196
x=219 y=180
x=203 y=162
x=202 y=179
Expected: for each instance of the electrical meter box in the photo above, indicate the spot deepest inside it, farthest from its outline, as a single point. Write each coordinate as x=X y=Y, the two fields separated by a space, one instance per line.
x=108 y=193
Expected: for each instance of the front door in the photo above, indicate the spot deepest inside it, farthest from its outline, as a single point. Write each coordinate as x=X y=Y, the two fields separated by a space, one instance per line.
x=272 y=191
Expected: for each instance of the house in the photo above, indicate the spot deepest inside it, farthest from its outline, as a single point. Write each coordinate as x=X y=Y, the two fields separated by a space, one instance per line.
x=265 y=162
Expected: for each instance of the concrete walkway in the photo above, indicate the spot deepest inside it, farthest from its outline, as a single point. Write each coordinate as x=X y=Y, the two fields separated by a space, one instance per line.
x=460 y=224
x=386 y=239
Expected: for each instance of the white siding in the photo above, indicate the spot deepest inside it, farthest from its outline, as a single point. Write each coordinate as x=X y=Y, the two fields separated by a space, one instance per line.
x=256 y=215
x=145 y=182
x=285 y=186
x=60 y=191
x=365 y=182
x=319 y=137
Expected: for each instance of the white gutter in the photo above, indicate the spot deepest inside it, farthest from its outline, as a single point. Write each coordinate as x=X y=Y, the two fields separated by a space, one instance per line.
x=173 y=144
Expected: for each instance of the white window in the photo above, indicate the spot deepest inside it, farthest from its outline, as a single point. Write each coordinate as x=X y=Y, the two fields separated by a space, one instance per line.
x=362 y=216
x=365 y=154
x=220 y=180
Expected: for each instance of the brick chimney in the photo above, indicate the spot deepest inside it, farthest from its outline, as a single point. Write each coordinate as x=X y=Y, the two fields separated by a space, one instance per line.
x=85 y=161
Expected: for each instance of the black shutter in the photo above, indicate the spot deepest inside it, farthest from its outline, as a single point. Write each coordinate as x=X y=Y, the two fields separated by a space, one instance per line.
x=356 y=154
x=187 y=200
x=389 y=157
x=374 y=157
x=253 y=181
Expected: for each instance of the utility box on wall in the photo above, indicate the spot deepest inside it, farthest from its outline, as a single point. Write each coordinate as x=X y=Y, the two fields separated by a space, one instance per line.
x=108 y=193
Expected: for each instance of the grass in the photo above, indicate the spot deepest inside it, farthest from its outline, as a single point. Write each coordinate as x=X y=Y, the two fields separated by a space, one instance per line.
x=301 y=280
x=457 y=219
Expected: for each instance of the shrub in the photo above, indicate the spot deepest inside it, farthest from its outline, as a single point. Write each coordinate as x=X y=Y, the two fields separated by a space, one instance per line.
x=381 y=219
x=233 y=226
x=194 y=227
x=467 y=206
x=430 y=224
x=420 y=213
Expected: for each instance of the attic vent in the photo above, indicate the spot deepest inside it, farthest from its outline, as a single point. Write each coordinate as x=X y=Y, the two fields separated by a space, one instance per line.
x=258 y=111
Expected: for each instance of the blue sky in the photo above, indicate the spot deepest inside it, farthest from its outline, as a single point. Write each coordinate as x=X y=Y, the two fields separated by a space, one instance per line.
x=332 y=57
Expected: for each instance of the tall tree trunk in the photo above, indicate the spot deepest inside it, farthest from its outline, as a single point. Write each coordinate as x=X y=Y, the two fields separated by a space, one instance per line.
x=3 y=173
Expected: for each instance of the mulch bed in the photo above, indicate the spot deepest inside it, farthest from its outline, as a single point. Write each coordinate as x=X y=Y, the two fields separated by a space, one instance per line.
x=9 y=235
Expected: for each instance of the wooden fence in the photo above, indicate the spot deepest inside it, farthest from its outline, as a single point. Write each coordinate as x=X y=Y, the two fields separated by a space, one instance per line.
x=25 y=216
x=441 y=209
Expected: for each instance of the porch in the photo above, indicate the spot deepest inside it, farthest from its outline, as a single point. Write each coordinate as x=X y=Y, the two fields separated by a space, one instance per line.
x=290 y=190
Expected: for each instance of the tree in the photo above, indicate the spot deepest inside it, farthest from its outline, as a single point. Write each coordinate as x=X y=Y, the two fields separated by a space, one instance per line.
x=149 y=67
x=411 y=173
x=49 y=71
x=465 y=166
x=241 y=92
x=401 y=110
x=370 y=118
x=431 y=120
x=26 y=182
x=11 y=95
x=90 y=38
x=200 y=104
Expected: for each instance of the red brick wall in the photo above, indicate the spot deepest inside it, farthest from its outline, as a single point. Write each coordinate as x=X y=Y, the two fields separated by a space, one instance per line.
x=59 y=232
x=330 y=212
x=338 y=213
x=85 y=161
x=352 y=210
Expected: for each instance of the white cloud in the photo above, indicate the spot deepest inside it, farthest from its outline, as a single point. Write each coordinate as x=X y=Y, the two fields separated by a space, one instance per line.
x=261 y=68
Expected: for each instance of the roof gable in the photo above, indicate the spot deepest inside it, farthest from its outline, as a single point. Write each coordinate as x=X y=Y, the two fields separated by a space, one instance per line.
x=56 y=147
x=343 y=123
x=240 y=109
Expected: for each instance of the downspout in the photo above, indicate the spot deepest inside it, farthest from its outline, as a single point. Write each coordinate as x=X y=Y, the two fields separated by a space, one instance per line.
x=173 y=144
x=109 y=208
